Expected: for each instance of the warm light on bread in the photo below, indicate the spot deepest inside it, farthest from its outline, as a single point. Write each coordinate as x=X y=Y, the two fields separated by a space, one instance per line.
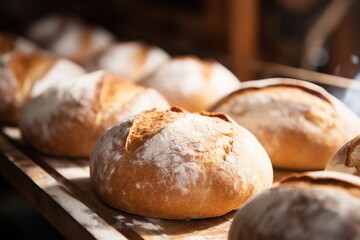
x=347 y=158
x=299 y=124
x=67 y=119
x=192 y=83
x=175 y=164
x=26 y=75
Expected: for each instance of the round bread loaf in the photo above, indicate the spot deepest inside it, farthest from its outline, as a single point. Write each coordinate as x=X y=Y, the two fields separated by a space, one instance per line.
x=67 y=119
x=192 y=83
x=178 y=165
x=26 y=75
x=347 y=158
x=133 y=60
x=299 y=124
x=70 y=37
x=314 y=205
x=9 y=43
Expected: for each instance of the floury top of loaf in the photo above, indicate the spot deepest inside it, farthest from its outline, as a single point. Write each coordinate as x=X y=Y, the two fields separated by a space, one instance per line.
x=79 y=110
x=300 y=124
x=176 y=164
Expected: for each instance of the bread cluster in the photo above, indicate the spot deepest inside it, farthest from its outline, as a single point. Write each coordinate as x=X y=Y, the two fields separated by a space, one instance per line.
x=180 y=137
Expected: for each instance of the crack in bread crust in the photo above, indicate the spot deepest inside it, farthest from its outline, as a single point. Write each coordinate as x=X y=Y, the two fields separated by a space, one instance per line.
x=148 y=124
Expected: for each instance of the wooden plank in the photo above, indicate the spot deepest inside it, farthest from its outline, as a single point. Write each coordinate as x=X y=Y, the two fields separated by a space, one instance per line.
x=67 y=214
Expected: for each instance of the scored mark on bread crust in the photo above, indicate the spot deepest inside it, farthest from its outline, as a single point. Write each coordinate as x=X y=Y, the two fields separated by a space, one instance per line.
x=147 y=125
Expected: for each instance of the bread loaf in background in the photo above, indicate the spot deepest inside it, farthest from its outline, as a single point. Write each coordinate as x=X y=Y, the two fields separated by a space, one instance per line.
x=178 y=165
x=9 y=43
x=26 y=75
x=67 y=119
x=314 y=205
x=69 y=37
x=133 y=60
x=48 y=28
x=347 y=158
x=192 y=83
x=300 y=125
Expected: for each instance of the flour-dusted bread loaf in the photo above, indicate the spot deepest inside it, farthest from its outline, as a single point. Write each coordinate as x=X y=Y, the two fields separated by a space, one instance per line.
x=347 y=158
x=314 y=205
x=178 y=165
x=133 y=60
x=67 y=119
x=299 y=124
x=9 y=43
x=192 y=83
x=26 y=75
x=70 y=37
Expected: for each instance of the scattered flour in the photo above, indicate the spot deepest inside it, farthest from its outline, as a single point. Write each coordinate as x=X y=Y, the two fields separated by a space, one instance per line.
x=145 y=225
x=105 y=150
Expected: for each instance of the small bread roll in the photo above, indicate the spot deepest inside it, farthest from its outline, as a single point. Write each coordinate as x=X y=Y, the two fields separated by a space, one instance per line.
x=26 y=75
x=314 y=205
x=299 y=124
x=10 y=43
x=133 y=60
x=67 y=119
x=192 y=83
x=177 y=165
x=347 y=158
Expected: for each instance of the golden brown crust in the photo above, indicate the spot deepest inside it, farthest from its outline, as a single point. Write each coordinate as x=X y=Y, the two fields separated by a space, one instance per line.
x=79 y=111
x=347 y=158
x=20 y=71
x=300 y=125
x=253 y=86
x=192 y=83
x=28 y=68
x=147 y=125
x=187 y=166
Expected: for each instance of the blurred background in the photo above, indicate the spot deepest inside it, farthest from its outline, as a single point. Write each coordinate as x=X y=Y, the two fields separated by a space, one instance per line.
x=318 y=35
x=254 y=38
